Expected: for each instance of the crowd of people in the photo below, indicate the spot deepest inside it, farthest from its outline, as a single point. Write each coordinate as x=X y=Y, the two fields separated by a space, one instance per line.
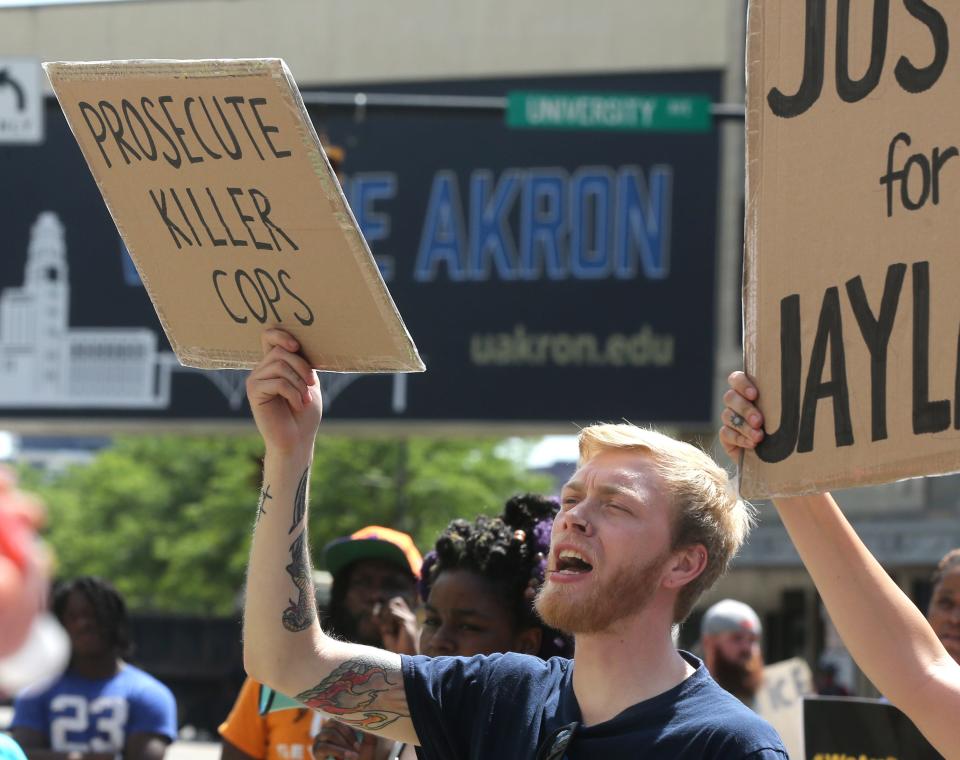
x=545 y=631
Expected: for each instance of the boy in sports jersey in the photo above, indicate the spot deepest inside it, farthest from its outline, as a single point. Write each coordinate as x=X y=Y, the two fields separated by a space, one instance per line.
x=101 y=707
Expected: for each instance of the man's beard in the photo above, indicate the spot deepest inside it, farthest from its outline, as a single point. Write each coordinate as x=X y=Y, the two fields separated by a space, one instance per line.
x=341 y=624
x=625 y=594
x=743 y=680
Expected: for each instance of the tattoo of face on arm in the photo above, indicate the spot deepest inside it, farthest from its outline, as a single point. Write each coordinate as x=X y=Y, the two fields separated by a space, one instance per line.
x=359 y=693
x=300 y=613
x=300 y=501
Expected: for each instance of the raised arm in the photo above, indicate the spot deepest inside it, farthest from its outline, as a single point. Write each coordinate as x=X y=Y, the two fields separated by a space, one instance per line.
x=881 y=628
x=284 y=646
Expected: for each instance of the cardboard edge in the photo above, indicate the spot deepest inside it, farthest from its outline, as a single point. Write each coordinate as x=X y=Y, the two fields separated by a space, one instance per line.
x=751 y=482
x=161 y=317
x=947 y=463
x=362 y=255
x=202 y=358
x=159 y=67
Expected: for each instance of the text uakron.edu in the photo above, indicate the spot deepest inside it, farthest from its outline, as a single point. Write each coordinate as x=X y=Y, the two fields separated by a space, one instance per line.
x=644 y=348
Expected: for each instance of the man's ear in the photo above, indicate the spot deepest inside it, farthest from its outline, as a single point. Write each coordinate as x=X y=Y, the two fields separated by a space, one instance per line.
x=685 y=566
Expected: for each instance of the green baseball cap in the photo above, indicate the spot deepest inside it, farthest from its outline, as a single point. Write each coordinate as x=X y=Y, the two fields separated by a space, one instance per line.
x=373 y=542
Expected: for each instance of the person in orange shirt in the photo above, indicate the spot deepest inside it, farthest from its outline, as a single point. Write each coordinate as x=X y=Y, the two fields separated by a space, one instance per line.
x=375 y=572
x=283 y=735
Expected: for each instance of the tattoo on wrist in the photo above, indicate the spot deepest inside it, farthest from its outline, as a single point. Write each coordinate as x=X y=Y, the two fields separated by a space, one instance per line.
x=355 y=694
x=300 y=613
x=264 y=495
x=300 y=500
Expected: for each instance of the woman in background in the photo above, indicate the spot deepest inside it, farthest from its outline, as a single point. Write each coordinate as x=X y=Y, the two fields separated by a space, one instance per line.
x=478 y=586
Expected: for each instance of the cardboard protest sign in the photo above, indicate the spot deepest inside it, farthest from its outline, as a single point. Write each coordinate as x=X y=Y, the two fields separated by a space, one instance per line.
x=780 y=701
x=218 y=184
x=837 y=728
x=853 y=220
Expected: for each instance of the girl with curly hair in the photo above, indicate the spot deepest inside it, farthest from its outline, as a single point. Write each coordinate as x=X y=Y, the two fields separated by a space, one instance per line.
x=479 y=582
x=477 y=585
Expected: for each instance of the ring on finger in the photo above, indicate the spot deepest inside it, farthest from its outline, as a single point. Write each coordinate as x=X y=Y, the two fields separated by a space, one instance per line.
x=735 y=419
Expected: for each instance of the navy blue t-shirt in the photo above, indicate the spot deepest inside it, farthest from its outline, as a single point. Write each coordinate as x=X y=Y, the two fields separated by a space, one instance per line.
x=507 y=705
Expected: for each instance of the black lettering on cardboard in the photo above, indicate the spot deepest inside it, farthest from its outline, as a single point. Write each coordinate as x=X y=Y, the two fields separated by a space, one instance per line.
x=177 y=131
x=233 y=241
x=917 y=159
x=263 y=211
x=161 y=206
x=149 y=151
x=778 y=445
x=307 y=320
x=853 y=90
x=928 y=416
x=911 y=78
x=233 y=192
x=892 y=176
x=930 y=170
x=939 y=160
x=269 y=289
x=876 y=334
x=116 y=129
x=99 y=136
x=196 y=133
x=237 y=152
x=788 y=106
x=186 y=218
x=235 y=101
x=240 y=277
x=196 y=207
x=217 y=274
x=175 y=160
x=266 y=129
x=829 y=332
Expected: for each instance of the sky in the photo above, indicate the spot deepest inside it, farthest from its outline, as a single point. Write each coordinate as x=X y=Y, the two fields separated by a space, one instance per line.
x=551 y=449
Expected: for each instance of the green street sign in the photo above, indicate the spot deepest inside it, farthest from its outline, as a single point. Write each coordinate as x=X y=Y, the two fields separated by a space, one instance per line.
x=609 y=111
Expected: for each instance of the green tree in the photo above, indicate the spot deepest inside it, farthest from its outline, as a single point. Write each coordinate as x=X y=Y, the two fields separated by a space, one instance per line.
x=168 y=518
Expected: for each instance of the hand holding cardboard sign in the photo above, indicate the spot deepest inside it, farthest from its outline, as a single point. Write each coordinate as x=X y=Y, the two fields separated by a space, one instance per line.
x=742 y=421
x=908 y=664
x=284 y=395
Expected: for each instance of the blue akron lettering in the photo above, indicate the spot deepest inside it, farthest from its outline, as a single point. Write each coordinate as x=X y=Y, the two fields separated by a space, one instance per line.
x=364 y=190
x=594 y=224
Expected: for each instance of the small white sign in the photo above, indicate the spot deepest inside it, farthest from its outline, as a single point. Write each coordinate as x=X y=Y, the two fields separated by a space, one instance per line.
x=21 y=101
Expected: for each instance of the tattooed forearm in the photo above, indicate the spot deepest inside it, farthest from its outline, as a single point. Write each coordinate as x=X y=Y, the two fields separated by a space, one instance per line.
x=300 y=500
x=361 y=693
x=264 y=495
x=300 y=613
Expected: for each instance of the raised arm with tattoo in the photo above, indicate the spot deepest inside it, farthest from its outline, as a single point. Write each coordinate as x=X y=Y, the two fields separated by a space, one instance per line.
x=883 y=630
x=284 y=646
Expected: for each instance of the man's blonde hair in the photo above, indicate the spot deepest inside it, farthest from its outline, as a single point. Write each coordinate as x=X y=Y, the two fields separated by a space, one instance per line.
x=708 y=511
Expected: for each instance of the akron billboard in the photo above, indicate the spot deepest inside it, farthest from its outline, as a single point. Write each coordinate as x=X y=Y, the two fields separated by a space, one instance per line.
x=547 y=276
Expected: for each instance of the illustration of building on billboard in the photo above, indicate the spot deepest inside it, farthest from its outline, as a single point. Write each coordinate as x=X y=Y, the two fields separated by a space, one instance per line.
x=46 y=363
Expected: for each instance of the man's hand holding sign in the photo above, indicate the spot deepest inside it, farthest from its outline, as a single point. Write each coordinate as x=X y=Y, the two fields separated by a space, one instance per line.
x=850 y=312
